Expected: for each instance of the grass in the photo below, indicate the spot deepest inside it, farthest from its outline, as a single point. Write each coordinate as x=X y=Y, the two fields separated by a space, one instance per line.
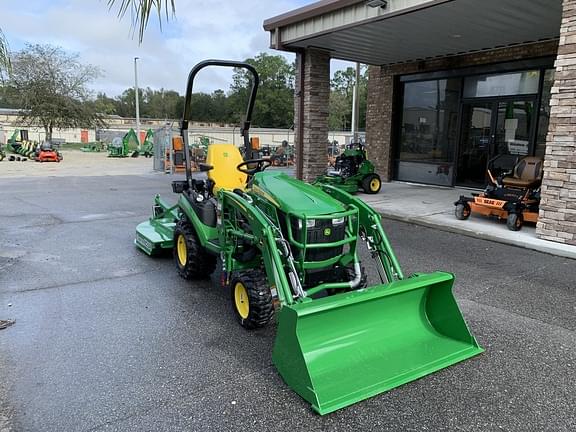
x=77 y=146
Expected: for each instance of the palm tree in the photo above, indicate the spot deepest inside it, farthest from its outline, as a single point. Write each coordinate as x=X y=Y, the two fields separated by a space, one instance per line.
x=4 y=54
x=141 y=9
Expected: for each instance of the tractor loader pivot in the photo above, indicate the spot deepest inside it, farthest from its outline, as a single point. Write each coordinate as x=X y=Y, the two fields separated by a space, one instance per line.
x=290 y=249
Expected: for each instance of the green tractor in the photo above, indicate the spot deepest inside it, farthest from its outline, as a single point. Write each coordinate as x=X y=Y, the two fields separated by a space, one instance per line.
x=352 y=171
x=290 y=249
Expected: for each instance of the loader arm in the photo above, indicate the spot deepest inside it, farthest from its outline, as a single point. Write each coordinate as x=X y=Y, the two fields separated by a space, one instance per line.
x=372 y=231
x=263 y=238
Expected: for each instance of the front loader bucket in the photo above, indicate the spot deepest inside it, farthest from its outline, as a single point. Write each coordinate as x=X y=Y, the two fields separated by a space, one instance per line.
x=341 y=349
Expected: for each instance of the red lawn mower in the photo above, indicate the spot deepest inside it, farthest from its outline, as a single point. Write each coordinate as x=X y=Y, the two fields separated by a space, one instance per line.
x=47 y=153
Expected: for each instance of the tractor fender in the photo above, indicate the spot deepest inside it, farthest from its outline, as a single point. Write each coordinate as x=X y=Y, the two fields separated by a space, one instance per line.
x=204 y=232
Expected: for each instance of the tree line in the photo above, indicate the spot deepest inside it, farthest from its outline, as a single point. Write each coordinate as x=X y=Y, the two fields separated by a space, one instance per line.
x=52 y=86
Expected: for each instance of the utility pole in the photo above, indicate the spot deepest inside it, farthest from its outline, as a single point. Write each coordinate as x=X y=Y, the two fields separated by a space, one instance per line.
x=137 y=102
x=355 y=105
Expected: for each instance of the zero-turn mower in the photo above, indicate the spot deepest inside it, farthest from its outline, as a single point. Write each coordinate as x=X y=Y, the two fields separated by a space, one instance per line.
x=352 y=171
x=511 y=194
x=290 y=249
x=46 y=152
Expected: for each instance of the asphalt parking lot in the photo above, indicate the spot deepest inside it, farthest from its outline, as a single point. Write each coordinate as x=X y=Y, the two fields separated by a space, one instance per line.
x=107 y=338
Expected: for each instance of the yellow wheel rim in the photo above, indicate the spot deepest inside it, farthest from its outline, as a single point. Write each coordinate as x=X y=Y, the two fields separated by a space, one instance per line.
x=241 y=300
x=182 y=250
x=374 y=185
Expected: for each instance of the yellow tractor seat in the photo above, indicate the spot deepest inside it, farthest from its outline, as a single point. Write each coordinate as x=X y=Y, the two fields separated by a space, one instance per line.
x=225 y=158
x=527 y=173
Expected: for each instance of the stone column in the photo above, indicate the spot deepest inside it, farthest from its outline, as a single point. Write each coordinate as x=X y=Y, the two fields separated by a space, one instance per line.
x=379 y=119
x=316 y=95
x=557 y=219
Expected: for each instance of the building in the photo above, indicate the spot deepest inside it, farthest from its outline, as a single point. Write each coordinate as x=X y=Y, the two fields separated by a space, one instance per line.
x=452 y=84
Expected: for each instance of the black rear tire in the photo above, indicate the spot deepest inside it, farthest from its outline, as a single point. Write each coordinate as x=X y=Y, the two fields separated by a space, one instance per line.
x=192 y=260
x=514 y=221
x=251 y=299
x=462 y=211
x=371 y=184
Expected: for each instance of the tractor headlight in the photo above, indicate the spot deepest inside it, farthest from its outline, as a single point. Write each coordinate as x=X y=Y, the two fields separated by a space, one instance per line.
x=310 y=223
x=338 y=221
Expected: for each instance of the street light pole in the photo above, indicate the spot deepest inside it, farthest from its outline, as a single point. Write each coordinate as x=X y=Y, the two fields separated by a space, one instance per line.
x=355 y=105
x=137 y=102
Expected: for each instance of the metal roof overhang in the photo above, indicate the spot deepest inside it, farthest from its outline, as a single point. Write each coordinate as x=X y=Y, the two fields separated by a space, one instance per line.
x=413 y=30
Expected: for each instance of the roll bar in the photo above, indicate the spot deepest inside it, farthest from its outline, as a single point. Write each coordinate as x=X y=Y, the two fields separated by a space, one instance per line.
x=244 y=130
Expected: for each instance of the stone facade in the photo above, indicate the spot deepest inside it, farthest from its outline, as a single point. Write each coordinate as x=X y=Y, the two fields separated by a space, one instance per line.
x=381 y=88
x=316 y=95
x=557 y=219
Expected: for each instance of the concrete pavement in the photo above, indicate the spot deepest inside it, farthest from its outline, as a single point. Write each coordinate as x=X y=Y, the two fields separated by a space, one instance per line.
x=107 y=338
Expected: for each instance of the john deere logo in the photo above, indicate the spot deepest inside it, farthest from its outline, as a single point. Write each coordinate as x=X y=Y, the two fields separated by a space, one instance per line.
x=327 y=231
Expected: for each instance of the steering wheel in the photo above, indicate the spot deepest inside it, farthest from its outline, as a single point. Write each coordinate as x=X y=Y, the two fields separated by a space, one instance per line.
x=261 y=165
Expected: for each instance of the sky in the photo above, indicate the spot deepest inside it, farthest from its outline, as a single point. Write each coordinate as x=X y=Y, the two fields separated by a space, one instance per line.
x=201 y=29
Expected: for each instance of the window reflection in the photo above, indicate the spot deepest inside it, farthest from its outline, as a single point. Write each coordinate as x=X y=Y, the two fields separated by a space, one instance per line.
x=516 y=83
x=544 y=114
x=430 y=116
x=429 y=131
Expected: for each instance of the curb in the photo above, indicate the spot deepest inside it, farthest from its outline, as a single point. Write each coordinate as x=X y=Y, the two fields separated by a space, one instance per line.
x=550 y=250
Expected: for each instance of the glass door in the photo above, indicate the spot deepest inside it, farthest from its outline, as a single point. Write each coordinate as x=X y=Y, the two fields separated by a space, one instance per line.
x=513 y=128
x=490 y=129
x=475 y=142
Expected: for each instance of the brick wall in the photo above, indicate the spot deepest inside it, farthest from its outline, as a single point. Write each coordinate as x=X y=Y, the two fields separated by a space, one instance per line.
x=381 y=90
x=316 y=94
x=557 y=220
x=379 y=120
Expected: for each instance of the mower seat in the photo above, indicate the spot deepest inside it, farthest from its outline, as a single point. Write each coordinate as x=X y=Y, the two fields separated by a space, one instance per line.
x=224 y=158
x=527 y=173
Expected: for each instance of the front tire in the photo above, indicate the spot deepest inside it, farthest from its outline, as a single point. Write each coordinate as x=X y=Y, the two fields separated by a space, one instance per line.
x=462 y=211
x=371 y=184
x=514 y=221
x=251 y=299
x=192 y=260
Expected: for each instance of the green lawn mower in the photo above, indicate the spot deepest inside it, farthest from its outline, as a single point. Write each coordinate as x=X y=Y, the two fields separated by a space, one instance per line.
x=290 y=249
x=352 y=171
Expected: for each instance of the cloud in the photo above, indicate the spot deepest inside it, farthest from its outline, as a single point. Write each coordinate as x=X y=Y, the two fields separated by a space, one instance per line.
x=228 y=29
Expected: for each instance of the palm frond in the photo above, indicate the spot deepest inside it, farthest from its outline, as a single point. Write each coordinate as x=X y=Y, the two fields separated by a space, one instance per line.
x=5 y=63
x=140 y=11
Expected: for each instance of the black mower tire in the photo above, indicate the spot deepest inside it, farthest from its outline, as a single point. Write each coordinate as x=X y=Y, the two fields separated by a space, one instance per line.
x=192 y=260
x=251 y=299
x=371 y=184
x=514 y=221
x=462 y=211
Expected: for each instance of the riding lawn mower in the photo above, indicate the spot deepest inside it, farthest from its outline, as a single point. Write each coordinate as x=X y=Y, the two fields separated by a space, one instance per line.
x=46 y=152
x=352 y=170
x=511 y=194
x=291 y=250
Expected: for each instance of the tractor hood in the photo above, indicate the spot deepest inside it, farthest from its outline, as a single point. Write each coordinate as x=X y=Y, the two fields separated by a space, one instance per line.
x=292 y=195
